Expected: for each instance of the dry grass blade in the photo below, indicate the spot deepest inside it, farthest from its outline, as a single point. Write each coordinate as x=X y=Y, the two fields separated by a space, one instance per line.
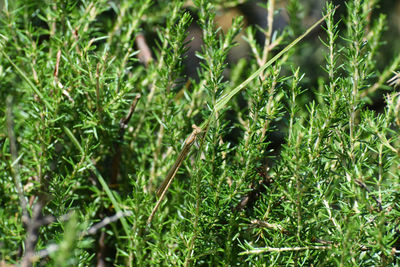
x=182 y=155
x=174 y=169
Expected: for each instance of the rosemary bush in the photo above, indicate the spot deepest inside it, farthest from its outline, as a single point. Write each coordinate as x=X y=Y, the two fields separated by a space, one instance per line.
x=287 y=165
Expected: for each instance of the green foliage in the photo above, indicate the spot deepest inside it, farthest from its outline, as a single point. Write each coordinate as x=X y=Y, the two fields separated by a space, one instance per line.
x=286 y=171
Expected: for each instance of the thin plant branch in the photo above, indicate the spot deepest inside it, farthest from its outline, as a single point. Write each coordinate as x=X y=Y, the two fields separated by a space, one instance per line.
x=106 y=221
x=32 y=233
x=55 y=74
x=123 y=124
x=14 y=158
x=284 y=249
x=363 y=185
x=98 y=96
x=91 y=231
x=30 y=83
x=268 y=34
x=101 y=251
x=181 y=157
x=174 y=169
x=395 y=80
x=144 y=55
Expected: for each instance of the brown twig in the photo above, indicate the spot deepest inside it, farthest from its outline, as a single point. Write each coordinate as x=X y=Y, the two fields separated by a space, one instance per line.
x=363 y=185
x=32 y=232
x=76 y=37
x=321 y=241
x=123 y=124
x=37 y=220
x=250 y=198
x=174 y=169
x=101 y=252
x=144 y=55
x=56 y=80
x=55 y=74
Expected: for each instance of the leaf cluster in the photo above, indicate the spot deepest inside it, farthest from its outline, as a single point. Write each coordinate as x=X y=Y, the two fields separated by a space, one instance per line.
x=97 y=110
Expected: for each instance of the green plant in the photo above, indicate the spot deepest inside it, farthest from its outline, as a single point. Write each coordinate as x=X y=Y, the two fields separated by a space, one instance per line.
x=281 y=169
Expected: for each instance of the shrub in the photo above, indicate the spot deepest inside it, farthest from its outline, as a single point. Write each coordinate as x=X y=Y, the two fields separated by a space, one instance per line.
x=287 y=163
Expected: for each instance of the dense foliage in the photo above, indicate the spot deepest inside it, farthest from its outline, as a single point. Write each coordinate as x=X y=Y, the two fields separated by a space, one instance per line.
x=289 y=163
